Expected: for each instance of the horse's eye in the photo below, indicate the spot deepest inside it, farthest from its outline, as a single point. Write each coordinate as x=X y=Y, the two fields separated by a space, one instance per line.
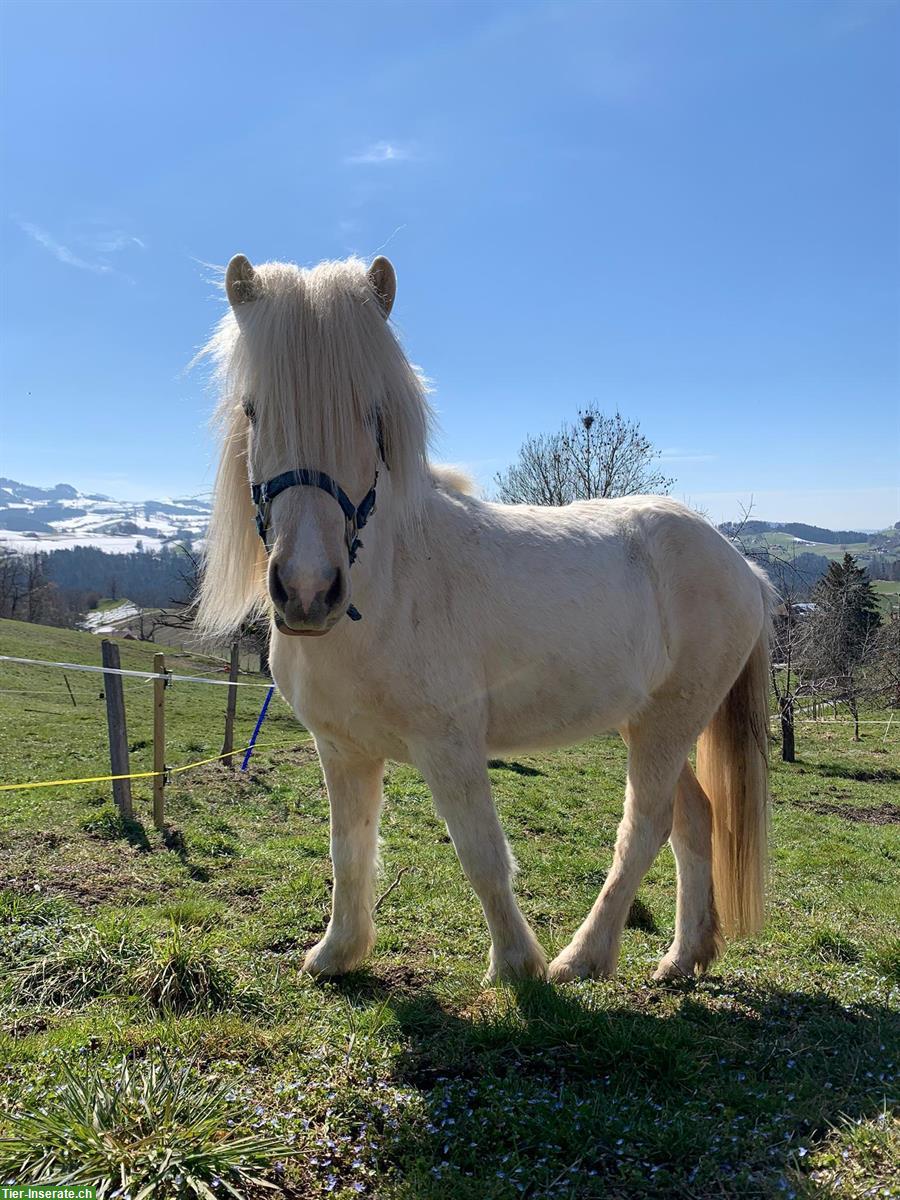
x=248 y=408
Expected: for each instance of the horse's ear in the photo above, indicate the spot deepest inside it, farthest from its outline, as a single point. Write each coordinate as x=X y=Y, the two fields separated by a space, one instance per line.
x=241 y=281
x=383 y=279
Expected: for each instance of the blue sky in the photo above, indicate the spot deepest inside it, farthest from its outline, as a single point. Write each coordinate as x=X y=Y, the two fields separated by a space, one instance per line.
x=686 y=210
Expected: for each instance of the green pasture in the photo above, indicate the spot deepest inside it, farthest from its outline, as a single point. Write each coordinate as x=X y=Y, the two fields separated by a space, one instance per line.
x=165 y=966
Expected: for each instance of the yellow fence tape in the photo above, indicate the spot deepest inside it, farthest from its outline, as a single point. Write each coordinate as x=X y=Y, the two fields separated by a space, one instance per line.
x=14 y=787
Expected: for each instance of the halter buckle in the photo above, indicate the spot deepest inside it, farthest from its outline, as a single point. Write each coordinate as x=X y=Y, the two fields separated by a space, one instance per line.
x=263 y=504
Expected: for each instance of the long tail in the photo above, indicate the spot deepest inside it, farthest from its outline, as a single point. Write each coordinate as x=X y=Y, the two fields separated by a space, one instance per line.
x=733 y=768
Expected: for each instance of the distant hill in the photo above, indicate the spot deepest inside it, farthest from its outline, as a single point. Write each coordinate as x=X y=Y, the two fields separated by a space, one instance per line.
x=807 y=533
x=61 y=518
x=795 y=553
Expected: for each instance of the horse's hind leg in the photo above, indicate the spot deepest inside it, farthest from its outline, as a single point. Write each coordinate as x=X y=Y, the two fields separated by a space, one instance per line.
x=354 y=793
x=697 y=939
x=461 y=789
x=655 y=759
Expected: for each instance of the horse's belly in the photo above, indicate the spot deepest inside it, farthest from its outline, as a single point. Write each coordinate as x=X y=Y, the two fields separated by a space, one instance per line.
x=558 y=710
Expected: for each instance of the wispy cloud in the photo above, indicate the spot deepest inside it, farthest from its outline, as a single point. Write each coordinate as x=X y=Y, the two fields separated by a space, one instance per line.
x=111 y=241
x=92 y=247
x=62 y=253
x=383 y=152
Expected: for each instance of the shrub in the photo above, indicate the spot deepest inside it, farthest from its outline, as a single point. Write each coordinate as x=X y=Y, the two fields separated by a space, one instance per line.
x=147 y=1131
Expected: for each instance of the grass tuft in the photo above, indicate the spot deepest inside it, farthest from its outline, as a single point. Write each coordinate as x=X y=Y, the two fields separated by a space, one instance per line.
x=833 y=947
x=149 y=1131
x=192 y=914
x=640 y=917
x=886 y=959
x=85 y=963
x=32 y=908
x=108 y=825
x=184 y=975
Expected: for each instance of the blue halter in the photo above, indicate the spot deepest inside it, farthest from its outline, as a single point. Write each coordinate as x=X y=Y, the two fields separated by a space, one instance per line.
x=355 y=515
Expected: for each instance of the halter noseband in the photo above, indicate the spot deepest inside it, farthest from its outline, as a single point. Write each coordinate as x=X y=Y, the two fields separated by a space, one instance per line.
x=355 y=515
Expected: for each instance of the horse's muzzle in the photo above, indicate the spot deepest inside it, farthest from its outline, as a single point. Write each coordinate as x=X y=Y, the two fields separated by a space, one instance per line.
x=307 y=607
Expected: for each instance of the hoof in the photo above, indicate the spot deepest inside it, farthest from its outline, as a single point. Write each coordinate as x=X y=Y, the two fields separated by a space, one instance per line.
x=670 y=970
x=527 y=962
x=675 y=966
x=330 y=958
x=571 y=964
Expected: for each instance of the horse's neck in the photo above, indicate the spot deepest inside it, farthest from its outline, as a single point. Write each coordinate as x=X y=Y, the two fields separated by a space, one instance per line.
x=387 y=536
x=394 y=542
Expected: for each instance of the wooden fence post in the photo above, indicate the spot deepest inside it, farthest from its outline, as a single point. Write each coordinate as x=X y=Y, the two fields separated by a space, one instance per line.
x=228 y=744
x=118 y=733
x=159 y=742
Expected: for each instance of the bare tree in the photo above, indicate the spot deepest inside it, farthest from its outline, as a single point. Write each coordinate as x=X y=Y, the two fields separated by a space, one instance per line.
x=180 y=614
x=785 y=677
x=254 y=635
x=885 y=675
x=26 y=594
x=598 y=456
x=789 y=625
x=12 y=583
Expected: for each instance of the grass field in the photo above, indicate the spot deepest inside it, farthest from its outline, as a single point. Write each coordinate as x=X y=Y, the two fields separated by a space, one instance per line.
x=888 y=593
x=788 y=546
x=776 y=1075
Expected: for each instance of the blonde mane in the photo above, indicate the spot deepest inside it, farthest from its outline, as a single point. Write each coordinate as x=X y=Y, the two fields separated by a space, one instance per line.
x=450 y=478
x=315 y=356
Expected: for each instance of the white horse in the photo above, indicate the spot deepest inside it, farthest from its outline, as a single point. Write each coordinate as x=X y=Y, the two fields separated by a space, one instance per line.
x=485 y=629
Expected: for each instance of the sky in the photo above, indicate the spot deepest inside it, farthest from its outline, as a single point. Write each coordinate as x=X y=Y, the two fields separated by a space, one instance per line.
x=684 y=210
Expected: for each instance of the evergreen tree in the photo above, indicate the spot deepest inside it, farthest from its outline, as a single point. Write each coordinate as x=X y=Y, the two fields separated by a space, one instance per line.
x=839 y=642
x=846 y=594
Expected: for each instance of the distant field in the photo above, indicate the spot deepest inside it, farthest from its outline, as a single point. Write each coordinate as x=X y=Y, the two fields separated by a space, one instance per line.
x=775 y=1076
x=787 y=541
x=106 y=603
x=888 y=593
x=166 y=637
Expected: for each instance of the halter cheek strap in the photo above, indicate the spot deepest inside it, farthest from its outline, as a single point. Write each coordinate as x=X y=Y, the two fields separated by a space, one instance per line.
x=355 y=515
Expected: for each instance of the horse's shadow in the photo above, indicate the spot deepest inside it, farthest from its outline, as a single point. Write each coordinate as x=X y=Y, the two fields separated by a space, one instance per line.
x=711 y=1088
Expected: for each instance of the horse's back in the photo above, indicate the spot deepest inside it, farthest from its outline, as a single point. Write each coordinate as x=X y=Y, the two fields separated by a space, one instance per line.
x=578 y=615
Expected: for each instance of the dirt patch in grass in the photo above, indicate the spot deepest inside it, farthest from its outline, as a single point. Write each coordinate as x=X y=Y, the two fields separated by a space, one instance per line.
x=92 y=874
x=860 y=774
x=404 y=977
x=885 y=813
x=23 y=1026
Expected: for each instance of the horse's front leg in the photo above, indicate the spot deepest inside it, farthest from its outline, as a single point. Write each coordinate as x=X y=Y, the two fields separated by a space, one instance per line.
x=462 y=794
x=354 y=793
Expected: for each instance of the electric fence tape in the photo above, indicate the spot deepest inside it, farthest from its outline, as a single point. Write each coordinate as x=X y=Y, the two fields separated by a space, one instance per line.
x=146 y=676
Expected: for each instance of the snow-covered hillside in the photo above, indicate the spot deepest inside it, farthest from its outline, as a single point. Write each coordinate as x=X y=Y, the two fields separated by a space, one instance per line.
x=57 y=518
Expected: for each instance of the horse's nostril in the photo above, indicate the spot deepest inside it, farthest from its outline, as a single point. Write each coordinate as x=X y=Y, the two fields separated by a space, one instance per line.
x=277 y=590
x=333 y=595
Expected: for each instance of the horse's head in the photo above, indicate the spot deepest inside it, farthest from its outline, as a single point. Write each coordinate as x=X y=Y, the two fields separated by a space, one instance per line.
x=309 y=513
x=316 y=395
x=313 y=491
